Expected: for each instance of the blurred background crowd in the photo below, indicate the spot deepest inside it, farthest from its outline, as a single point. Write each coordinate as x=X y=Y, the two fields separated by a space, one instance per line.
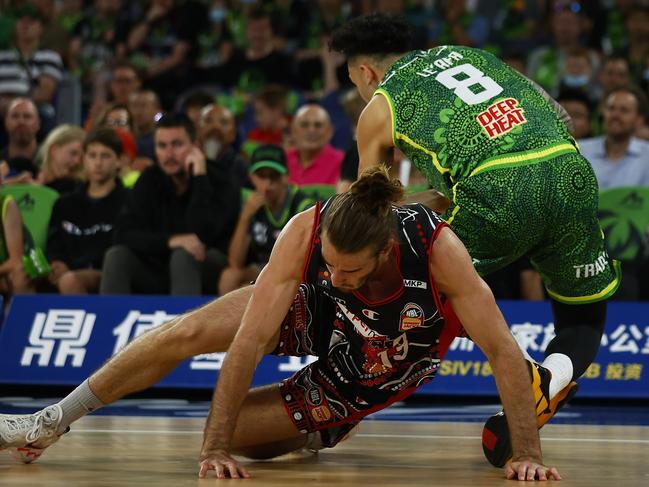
x=159 y=146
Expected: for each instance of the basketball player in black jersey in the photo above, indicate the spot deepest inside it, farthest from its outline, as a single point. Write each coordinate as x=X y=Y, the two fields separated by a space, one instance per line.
x=376 y=291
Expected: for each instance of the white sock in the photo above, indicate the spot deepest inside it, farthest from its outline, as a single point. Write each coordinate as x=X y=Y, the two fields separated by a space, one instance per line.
x=561 y=367
x=77 y=404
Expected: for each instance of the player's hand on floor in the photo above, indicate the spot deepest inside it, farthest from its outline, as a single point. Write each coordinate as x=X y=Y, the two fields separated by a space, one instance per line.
x=529 y=470
x=223 y=464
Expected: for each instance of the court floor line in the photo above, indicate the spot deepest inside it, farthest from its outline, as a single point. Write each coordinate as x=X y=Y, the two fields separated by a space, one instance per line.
x=367 y=435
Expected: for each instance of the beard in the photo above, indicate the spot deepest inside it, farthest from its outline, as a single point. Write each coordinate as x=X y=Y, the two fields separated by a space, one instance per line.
x=212 y=148
x=21 y=137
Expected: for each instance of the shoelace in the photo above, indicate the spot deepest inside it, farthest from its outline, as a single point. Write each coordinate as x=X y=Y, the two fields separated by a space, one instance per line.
x=40 y=419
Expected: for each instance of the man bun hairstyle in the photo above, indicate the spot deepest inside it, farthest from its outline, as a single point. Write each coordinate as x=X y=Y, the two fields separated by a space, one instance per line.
x=363 y=215
x=377 y=34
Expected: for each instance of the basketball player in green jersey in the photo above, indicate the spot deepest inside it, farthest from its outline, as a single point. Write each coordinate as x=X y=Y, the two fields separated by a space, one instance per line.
x=497 y=146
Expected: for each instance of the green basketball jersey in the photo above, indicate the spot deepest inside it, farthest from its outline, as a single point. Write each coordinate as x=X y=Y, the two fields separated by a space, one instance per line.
x=457 y=111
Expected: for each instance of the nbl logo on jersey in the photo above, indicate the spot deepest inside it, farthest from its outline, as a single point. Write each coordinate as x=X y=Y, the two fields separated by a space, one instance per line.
x=501 y=117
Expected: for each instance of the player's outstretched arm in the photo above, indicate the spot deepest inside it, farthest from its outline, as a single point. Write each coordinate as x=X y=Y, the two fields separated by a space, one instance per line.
x=272 y=296
x=478 y=312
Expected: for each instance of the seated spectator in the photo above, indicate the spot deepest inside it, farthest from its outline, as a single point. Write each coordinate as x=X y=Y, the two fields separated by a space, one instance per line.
x=54 y=36
x=162 y=43
x=271 y=118
x=61 y=159
x=13 y=279
x=577 y=104
x=458 y=26
x=614 y=73
x=265 y=212
x=217 y=131
x=17 y=159
x=117 y=116
x=95 y=38
x=124 y=81
x=81 y=225
x=178 y=221
x=618 y=157
x=28 y=70
x=637 y=26
x=260 y=64
x=313 y=160
x=320 y=19
x=214 y=43
x=547 y=63
x=194 y=104
x=144 y=106
x=130 y=170
x=578 y=73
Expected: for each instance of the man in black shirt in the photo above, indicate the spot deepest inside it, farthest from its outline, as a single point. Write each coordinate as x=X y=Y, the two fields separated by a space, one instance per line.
x=178 y=221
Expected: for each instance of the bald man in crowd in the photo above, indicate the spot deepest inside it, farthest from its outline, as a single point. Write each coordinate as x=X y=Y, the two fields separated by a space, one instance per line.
x=313 y=160
x=17 y=159
x=217 y=131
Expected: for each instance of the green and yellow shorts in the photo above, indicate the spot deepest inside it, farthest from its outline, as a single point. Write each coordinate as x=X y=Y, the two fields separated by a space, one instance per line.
x=543 y=208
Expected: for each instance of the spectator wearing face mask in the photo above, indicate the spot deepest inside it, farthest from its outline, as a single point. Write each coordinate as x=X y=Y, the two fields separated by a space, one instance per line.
x=214 y=42
x=578 y=72
x=547 y=63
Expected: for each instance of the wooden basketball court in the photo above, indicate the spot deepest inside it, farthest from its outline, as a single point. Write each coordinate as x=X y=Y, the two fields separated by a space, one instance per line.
x=124 y=451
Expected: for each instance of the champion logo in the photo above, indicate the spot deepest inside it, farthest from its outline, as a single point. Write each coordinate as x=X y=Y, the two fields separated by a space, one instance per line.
x=372 y=315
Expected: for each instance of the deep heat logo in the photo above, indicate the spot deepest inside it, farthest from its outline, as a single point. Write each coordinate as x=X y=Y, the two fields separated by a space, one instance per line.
x=501 y=117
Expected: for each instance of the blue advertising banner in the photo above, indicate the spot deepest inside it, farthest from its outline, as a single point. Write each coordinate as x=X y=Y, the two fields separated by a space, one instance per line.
x=60 y=340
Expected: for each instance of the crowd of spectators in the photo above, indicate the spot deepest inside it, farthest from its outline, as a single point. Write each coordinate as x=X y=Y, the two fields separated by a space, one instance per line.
x=176 y=132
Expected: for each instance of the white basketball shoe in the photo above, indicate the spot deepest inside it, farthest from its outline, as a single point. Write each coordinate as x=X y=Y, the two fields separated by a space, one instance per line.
x=27 y=435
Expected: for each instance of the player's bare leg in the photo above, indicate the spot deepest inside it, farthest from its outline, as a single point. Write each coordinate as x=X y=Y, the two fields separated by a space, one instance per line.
x=153 y=355
x=141 y=364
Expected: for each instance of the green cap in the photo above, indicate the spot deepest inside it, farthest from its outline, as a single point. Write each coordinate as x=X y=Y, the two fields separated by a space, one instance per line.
x=271 y=156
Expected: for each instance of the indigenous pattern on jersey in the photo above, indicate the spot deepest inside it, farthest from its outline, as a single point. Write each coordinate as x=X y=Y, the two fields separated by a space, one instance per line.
x=483 y=135
x=266 y=227
x=456 y=109
x=370 y=353
x=547 y=212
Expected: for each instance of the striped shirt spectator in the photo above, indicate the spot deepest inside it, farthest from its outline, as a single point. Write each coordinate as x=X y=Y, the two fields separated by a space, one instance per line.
x=18 y=76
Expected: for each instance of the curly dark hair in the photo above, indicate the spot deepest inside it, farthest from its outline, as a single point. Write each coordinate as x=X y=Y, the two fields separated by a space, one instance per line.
x=377 y=34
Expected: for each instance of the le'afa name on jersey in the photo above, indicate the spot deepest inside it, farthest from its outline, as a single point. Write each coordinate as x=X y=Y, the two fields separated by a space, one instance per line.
x=501 y=117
